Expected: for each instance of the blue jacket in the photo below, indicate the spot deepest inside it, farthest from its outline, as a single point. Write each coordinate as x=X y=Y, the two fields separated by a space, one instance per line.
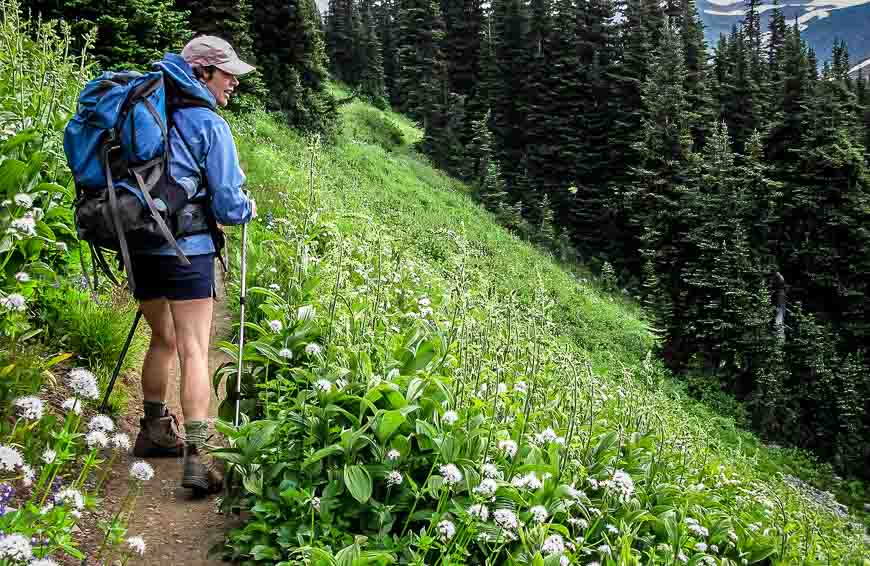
x=214 y=152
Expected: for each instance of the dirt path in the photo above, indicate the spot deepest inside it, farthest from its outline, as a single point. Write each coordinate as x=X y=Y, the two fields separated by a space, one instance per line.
x=177 y=529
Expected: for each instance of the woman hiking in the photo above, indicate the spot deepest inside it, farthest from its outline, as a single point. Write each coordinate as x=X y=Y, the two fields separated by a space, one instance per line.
x=176 y=299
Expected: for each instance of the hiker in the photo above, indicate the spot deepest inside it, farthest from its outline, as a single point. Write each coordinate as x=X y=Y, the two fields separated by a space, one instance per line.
x=177 y=299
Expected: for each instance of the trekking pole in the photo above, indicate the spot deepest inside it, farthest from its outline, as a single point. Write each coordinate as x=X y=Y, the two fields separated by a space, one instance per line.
x=104 y=407
x=242 y=297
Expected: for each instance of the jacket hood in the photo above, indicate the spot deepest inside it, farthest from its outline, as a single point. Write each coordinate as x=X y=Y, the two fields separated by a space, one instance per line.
x=181 y=74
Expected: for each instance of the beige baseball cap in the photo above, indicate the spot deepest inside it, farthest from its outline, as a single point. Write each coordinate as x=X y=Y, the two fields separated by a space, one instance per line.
x=207 y=50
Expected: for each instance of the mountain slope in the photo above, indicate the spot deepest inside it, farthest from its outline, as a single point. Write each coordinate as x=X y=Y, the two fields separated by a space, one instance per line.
x=821 y=21
x=400 y=252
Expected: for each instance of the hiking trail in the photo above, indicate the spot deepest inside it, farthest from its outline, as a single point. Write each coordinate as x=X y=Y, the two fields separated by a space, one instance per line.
x=177 y=528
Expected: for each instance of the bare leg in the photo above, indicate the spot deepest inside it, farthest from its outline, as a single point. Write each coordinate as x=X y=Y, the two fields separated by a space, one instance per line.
x=193 y=330
x=162 y=352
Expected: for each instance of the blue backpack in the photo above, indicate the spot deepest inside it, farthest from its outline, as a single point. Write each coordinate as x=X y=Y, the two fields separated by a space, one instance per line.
x=120 y=131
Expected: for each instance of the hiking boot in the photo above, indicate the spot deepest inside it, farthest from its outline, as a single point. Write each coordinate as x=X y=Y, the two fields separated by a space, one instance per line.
x=201 y=473
x=158 y=437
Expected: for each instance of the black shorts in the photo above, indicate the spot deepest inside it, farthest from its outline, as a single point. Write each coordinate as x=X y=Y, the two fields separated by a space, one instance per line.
x=164 y=276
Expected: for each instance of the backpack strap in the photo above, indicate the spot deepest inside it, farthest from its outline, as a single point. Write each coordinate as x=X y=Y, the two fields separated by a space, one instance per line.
x=116 y=220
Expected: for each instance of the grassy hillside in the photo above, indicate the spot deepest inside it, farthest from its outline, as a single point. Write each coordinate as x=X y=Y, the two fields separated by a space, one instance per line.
x=397 y=330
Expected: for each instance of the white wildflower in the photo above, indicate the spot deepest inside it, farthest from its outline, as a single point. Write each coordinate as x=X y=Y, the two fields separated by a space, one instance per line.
x=487 y=487
x=529 y=481
x=612 y=529
x=424 y=302
x=23 y=199
x=502 y=388
x=695 y=528
x=604 y=549
x=564 y=560
x=22 y=277
x=539 y=513
x=313 y=349
x=701 y=547
x=101 y=422
x=446 y=529
x=275 y=325
x=323 y=385
x=578 y=522
x=13 y=302
x=137 y=545
x=97 y=438
x=394 y=454
x=509 y=447
x=15 y=547
x=621 y=485
x=31 y=408
x=70 y=496
x=491 y=471
x=72 y=404
x=10 y=459
x=141 y=471
x=273 y=269
x=61 y=246
x=46 y=508
x=506 y=519
x=275 y=287
x=84 y=383
x=548 y=435
x=553 y=545
x=450 y=417
x=48 y=456
x=451 y=474
x=29 y=475
x=480 y=511
x=43 y=562
x=714 y=549
x=305 y=312
x=315 y=503
x=286 y=353
x=682 y=557
x=521 y=387
x=394 y=478
x=120 y=441
x=26 y=226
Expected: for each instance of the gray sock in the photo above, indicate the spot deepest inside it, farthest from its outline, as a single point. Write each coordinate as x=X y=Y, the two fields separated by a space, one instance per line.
x=195 y=432
x=154 y=409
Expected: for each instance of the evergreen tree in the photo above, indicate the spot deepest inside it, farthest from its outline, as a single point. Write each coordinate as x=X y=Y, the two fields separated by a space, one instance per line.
x=384 y=14
x=422 y=71
x=372 y=82
x=131 y=34
x=651 y=200
x=293 y=62
x=507 y=89
x=340 y=38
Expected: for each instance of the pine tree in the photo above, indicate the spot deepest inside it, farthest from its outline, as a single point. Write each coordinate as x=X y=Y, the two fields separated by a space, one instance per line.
x=422 y=70
x=372 y=82
x=664 y=149
x=697 y=85
x=131 y=34
x=293 y=61
x=507 y=89
x=340 y=38
x=384 y=14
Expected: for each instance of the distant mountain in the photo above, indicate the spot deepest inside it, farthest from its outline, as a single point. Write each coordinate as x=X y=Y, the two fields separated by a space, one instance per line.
x=821 y=22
